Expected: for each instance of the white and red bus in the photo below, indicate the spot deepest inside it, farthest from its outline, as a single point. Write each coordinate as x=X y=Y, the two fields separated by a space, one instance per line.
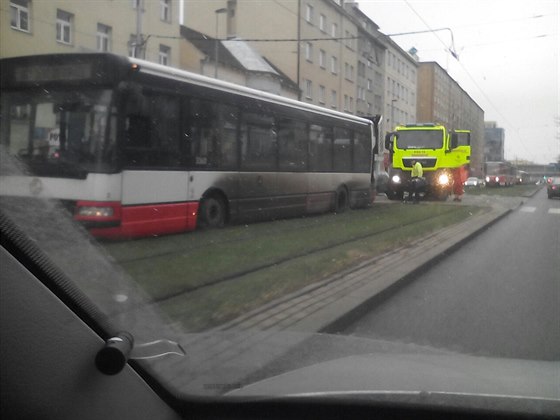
x=135 y=148
x=500 y=174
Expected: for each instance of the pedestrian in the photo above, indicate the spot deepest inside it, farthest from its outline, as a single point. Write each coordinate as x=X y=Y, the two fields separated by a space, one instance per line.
x=416 y=181
x=460 y=175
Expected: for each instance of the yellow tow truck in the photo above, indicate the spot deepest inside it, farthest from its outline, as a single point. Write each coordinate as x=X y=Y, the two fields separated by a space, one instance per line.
x=439 y=150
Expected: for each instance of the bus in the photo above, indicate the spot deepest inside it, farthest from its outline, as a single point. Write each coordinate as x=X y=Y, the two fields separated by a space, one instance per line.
x=134 y=148
x=500 y=174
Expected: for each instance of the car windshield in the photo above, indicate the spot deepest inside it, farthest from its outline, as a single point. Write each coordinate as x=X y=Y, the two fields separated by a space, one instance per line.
x=225 y=192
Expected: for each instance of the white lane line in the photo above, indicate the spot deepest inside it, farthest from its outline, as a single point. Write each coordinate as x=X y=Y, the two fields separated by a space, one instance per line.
x=554 y=211
x=528 y=209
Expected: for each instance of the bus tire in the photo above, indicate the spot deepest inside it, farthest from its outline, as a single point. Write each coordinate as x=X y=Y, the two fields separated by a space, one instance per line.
x=212 y=212
x=341 y=200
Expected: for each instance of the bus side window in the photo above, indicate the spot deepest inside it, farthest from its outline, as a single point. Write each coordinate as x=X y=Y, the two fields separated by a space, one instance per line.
x=137 y=131
x=362 y=152
x=342 y=150
x=320 y=148
x=292 y=145
x=203 y=130
x=258 y=142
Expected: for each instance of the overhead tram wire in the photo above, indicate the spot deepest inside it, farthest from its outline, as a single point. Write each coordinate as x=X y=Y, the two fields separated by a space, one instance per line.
x=456 y=56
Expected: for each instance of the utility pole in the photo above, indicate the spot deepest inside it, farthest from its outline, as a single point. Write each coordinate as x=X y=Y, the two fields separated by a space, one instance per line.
x=298 y=48
x=139 y=44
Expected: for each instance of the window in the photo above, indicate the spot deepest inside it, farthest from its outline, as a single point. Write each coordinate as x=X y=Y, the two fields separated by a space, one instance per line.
x=64 y=27
x=348 y=71
x=334 y=65
x=152 y=138
x=309 y=51
x=19 y=14
x=292 y=145
x=309 y=89
x=211 y=134
x=334 y=100
x=258 y=142
x=164 y=55
x=342 y=150
x=165 y=10
x=334 y=30
x=322 y=94
x=320 y=148
x=322 y=59
x=135 y=47
x=103 y=38
x=309 y=13
x=322 y=23
x=369 y=84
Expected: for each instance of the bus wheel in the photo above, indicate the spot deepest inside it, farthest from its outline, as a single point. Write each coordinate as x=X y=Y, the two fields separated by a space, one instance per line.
x=212 y=212
x=341 y=200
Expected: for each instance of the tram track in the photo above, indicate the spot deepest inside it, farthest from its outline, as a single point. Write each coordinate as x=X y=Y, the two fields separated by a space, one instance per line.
x=235 y=275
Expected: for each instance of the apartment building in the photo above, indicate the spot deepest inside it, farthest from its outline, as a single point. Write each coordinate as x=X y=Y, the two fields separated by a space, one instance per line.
x=441 y=99
x=494 y=141
x=146 y=29
x=313 y=42
x=370 y=64
x=400 y=86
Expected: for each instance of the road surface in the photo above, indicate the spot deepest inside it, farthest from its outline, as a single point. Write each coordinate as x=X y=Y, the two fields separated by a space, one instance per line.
x=499 y=295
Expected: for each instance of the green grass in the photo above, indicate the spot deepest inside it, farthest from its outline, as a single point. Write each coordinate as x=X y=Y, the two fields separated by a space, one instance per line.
x=209 y=277
x=513 y=191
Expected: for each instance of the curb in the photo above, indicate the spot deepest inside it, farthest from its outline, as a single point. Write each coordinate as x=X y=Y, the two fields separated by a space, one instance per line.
x=327 y=306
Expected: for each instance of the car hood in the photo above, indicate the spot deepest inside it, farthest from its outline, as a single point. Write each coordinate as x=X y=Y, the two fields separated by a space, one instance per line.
x=442 y=379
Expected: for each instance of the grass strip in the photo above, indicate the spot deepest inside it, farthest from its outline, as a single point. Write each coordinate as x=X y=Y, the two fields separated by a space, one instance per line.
x=216 y=304
x=513 y=191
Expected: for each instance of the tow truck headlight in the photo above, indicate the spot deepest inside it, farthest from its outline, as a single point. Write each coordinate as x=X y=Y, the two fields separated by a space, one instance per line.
x=396 y=179
x=443 y=179
x=91 y=211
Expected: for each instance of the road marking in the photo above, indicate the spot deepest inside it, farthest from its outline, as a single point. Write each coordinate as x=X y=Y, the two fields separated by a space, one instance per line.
x=528 y=209
x=554 y=211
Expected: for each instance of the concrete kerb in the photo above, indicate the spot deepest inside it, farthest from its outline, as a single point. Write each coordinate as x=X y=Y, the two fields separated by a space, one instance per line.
x=302 y=311
x=338 y=323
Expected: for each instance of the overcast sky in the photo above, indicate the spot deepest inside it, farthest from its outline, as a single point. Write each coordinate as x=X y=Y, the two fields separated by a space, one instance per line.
x=508 y=60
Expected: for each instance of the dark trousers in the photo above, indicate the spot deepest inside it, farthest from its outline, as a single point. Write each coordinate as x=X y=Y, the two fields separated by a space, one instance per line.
x=415 y=187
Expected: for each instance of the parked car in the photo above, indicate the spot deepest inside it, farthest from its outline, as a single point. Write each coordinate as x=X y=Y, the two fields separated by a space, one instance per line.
x=553 y=187
x=473 y=182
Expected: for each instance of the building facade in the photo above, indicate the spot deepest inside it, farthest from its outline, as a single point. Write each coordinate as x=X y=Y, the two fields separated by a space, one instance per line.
x=400 y=86
x=494 y=140
x=370 y=64
x=442 y=100
x=146 y=29
x=313 y=42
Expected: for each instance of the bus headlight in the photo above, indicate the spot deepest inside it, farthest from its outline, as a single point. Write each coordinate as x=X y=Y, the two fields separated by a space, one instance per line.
x=443 y=179
x=396 y=179
x=91 y=211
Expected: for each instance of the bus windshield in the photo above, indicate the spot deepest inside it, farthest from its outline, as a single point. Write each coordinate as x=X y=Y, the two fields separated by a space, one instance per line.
x=420 y=139
x=60 y=132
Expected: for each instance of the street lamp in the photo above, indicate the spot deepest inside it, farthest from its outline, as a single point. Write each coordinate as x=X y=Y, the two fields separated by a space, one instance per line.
x=218 y=11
